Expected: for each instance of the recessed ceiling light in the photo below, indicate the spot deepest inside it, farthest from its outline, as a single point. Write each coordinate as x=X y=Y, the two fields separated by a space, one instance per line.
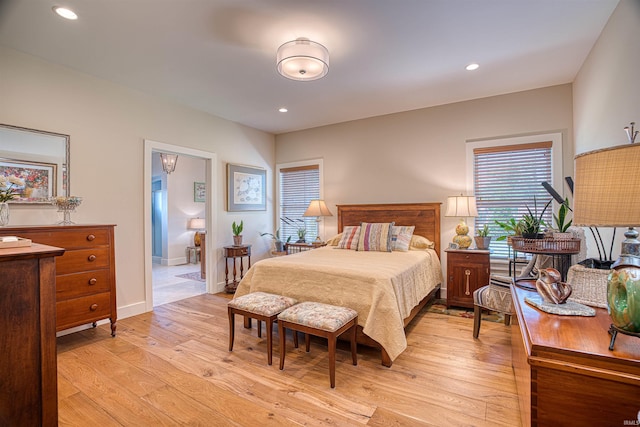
x=472 y=67
x=65 y=13
x=283 y=110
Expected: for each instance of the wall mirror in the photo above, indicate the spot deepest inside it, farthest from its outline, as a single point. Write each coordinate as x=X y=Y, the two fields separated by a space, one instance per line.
x=34 y=163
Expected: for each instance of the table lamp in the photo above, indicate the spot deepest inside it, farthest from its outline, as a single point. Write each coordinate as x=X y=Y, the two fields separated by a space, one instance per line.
x=198 y=225
x=607 y=193
x=318 y=209
x=462 y=207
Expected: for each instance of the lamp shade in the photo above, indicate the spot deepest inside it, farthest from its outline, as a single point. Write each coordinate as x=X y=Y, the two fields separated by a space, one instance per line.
x=317 y=208
x=607 y=187
x=461 y=206
x=196 y=224
x=302 y=59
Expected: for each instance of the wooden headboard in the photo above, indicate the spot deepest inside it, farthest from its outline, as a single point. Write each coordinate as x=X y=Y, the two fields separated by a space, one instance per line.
x=424 y=216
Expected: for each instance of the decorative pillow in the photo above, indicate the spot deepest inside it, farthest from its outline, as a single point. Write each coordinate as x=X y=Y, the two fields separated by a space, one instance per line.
x=334 y=240
x=401 y=237
x=350 y=237
x=419 y=243
x=375 y=236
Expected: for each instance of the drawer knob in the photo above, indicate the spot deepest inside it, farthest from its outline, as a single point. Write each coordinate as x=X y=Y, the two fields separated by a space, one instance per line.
x=91 y=258
x=93 y=281
x=91 y=237
x=93 y=307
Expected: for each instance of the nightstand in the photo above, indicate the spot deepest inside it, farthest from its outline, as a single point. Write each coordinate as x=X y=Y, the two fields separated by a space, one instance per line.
x=467 y=270
x=293 y=248
x=233 y=253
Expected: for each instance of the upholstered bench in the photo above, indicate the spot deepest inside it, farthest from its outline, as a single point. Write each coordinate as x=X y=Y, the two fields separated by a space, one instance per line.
x=261 y=306
x=323 y=320
x=496 y=296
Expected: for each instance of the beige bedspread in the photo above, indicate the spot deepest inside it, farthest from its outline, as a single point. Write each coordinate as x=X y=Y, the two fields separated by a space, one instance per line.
x=382 y=287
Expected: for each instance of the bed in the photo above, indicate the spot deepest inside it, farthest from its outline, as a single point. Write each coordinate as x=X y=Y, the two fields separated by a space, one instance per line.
x=387 y=289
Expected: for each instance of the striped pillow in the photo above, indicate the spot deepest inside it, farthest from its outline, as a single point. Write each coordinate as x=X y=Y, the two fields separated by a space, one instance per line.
x=375 y=236
x=401 y=237
x=350 y=237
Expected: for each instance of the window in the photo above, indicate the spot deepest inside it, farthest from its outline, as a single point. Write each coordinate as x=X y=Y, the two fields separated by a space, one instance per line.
x=506 y=180
x=298 y=184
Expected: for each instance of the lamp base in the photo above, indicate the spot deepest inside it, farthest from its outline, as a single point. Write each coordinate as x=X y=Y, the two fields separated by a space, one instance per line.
x=613 y=331
x=462 y=239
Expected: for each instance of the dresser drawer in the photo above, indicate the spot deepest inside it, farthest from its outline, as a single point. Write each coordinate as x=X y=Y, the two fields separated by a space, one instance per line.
x=78 y=284
x=82 y=260
x=83 y=310
x=71 y=239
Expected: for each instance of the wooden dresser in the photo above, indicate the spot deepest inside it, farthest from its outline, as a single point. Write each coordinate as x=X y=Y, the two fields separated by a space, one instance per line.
x=565 y=373
x=85 y=274
x=28 y=368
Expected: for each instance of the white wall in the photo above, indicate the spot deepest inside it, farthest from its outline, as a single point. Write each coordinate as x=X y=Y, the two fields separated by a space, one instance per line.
x=606 y=93
x=419 y=156
x=108 y=124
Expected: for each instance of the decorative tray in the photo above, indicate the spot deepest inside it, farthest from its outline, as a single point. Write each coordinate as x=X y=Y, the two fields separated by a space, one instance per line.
x=546 y=246
x=13 y=242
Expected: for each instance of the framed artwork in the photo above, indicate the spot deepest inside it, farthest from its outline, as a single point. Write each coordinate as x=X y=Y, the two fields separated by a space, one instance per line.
x=33 y=182
x=246 y=188
x=198 y=192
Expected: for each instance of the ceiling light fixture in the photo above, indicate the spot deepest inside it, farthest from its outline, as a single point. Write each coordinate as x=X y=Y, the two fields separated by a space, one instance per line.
x=65 y=13
x=472 y=67
x=283 y=110
x=168 y=162
x=302 y=59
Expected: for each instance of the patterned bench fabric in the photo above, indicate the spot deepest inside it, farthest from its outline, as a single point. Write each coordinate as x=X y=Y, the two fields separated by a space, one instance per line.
x=317 y=315
x=495 y=296
x=262 y=303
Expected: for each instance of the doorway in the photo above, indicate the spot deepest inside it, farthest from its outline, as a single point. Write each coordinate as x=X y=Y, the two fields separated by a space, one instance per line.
x=169 y=204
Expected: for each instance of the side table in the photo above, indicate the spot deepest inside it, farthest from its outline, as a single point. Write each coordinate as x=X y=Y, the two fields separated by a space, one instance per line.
x=193 y=254
x=234 y=252
x=467 y=270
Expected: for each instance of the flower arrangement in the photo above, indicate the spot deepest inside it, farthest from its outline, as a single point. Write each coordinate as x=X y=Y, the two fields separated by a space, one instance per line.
x=8 y=194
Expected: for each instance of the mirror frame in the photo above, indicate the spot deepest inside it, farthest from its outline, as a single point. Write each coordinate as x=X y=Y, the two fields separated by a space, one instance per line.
x=64 y=186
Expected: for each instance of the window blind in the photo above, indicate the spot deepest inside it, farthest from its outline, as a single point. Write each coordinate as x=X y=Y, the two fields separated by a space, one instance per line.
x=298 y=186
x=506 y=180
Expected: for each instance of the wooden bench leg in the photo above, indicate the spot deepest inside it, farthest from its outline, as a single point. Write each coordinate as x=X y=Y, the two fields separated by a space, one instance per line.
x=332 y=359
x=354 y=345
x=231 y=327
x=507 y=319
x=269 y=325
x=477 y=311
x=282 y=331
x=307 y=342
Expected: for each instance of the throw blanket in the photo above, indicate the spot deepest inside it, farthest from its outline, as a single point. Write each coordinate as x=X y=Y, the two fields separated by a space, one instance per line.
x=382 y=287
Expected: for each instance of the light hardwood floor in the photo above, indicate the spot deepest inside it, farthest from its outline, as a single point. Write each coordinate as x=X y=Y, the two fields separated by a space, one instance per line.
x=173 y=367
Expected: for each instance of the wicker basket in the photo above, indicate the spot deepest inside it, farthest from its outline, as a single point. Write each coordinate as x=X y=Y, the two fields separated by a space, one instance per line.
x=589 y=285
x=546 y=246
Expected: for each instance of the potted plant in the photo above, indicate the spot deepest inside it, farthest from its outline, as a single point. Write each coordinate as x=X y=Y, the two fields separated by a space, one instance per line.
x=277 y=242
x=301 y=228
x=511 y=228
x=561 y=221
x=237 y=233
x=532 y=222
x=483 y=240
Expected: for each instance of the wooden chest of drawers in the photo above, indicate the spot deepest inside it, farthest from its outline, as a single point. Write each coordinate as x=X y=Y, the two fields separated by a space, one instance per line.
x=85 y=274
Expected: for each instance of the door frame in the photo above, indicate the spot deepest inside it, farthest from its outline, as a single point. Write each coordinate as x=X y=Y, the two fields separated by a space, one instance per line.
x=210 y=212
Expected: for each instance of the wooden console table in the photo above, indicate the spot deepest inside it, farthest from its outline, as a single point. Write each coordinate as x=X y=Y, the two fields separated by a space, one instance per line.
x=233 y=252
x=28 y=367
x=565 y=372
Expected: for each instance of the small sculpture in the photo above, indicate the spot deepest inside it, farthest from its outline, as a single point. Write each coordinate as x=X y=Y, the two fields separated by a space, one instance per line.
x=550 y=288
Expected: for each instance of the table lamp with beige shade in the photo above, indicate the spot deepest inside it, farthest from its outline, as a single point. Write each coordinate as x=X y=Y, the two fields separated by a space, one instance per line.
x=607 y=194
x=318 y=209
x=462 y=207
x=199 y=225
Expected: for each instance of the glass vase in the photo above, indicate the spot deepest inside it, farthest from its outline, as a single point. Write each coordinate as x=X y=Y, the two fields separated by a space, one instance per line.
x=4 y=214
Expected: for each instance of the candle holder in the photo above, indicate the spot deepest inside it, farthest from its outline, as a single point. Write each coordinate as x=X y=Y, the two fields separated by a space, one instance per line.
x=66 y=205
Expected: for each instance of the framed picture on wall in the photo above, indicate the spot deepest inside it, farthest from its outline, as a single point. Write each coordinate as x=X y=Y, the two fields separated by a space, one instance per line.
x=246 y=188
x=32 y=182
x=199 y=192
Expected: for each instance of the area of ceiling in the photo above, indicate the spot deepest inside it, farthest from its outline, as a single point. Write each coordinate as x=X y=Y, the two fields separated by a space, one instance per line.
x=386 y=56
